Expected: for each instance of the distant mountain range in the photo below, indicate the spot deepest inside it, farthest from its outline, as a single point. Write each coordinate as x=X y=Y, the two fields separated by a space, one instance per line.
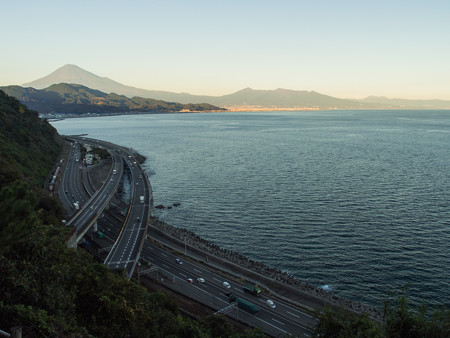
x=270 y=99
x=64 y=98
x=404 y=103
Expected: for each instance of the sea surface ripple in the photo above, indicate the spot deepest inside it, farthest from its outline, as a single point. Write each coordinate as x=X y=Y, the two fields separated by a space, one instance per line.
x=356 y=200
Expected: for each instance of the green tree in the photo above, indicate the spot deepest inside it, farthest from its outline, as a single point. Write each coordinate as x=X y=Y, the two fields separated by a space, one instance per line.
x=344 y=324
x=404 y=321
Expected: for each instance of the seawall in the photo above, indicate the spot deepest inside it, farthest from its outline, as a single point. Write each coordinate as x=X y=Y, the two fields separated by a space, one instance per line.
x=279 y=283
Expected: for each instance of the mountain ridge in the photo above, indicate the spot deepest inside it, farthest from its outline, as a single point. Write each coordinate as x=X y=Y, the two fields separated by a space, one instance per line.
x=77 y=99
x=278 y=98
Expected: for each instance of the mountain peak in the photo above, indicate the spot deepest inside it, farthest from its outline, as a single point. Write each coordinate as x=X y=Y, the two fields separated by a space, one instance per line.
x=68 y=73
x=69 y=66
x=71 y=73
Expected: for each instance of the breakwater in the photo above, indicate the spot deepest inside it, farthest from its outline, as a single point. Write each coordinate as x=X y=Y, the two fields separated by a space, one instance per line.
x=283 y=284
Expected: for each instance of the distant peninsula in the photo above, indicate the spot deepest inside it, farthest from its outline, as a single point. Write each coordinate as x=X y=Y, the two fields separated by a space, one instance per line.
x=72 y=100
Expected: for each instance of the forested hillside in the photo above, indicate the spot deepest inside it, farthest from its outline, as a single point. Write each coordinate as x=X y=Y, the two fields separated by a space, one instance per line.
x=53 y=291
x=64 y=98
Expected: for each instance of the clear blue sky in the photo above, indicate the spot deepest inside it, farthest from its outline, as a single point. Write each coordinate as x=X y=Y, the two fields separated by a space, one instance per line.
x=347 y=49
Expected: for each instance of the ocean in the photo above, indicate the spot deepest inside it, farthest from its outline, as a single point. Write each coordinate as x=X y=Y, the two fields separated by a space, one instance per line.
x=355 y=201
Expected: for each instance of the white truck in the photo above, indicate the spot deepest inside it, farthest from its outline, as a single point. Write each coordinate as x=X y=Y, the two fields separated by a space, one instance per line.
x=142 y=199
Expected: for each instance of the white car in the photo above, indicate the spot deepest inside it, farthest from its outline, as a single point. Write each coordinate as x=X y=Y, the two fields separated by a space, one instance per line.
x=190 y=280
x=226 y=284
x=271 y=303
x=200 y=280
x=178 y=261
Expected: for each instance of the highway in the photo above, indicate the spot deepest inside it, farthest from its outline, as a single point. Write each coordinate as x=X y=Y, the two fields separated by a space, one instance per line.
x=162 y=265
x=129 y=246
x=90 y=209
x=284 y=319
x=71 y=191
x=126 y=250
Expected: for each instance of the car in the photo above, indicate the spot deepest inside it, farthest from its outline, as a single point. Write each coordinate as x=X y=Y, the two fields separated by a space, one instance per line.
x=190 y=280
x=138 y=218
x=179 y=261
x=271 y=303
x=200 y=280
x=91 y=208
x=226 y=284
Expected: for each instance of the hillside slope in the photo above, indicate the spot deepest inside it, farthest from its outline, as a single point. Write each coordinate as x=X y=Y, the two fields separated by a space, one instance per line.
x=28 y=144
x=67 y=98
x=48 y=289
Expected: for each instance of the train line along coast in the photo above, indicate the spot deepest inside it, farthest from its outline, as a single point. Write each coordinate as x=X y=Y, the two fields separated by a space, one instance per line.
x=187 y=245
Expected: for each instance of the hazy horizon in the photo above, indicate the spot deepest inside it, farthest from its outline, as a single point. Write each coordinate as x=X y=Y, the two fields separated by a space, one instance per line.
x=343 y=49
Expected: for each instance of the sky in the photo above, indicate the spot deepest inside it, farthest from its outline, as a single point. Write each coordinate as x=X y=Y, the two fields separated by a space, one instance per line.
x=346 y=49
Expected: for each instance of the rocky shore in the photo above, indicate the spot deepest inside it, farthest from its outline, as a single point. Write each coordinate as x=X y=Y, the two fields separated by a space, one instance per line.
x=281 y=284
x=278 y=282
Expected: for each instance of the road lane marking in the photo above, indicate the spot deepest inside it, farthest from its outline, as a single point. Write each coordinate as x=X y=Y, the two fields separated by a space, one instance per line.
x=278 y=321
x=279 y=328
x=217 y=280
x=300 y=312
x=221 y=300
x=292 y=314
x=197 y=270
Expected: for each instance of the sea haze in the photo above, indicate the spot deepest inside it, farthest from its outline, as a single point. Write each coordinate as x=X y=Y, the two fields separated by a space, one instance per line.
x=356 y=200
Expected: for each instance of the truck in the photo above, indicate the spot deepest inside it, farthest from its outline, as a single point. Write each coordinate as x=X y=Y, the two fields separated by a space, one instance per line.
x=142 y=199
x=252 y=289
x=244 y=305
x=76 y=205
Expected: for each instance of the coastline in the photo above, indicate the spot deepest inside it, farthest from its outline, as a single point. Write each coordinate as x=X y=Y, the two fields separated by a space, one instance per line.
x=55 y=117
x=276 y=282
x=234 y=266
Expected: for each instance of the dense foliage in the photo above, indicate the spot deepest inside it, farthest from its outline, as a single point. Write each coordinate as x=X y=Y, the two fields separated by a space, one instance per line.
x=78 y=99
x=28 y=145
x=51 y=290
x=400 y=321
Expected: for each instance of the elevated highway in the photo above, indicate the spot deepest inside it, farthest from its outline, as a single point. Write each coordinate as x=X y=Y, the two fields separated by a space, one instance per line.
x=91 y=203
x=127 y=248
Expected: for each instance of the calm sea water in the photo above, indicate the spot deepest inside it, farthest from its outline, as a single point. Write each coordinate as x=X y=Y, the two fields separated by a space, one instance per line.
x=357 y=200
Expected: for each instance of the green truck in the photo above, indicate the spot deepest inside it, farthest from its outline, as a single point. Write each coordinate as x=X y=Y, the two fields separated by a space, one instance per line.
x=244 y=305
x=252 y=289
